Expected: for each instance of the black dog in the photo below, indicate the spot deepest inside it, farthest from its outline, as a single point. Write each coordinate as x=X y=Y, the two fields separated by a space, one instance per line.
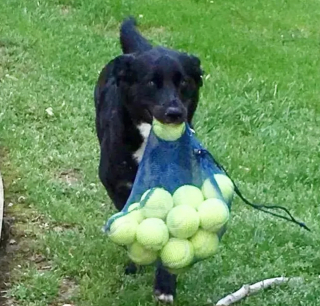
x=143 y=83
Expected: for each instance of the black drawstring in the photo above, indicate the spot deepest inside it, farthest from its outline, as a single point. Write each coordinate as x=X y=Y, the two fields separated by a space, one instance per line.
x=260 y=207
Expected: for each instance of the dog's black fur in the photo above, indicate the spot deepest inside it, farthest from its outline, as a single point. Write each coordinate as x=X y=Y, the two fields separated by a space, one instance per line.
x=143 y=83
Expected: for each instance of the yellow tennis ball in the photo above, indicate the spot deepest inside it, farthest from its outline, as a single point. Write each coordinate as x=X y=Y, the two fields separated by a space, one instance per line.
x=152 y=233
x=213 y=213
x=134 y=211
x=123 y=230
x=158 y=203
x=133 y=206
x=140 y=255
x=183 y=221
x=177 y=253
x=205 y=244
x=168 y=132
x=188 y=195
x=225 y=184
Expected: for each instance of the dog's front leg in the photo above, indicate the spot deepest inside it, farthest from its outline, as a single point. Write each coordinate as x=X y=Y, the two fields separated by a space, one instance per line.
x=165 y=285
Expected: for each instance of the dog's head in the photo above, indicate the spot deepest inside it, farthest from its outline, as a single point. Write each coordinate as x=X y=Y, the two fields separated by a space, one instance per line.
x=159 y=83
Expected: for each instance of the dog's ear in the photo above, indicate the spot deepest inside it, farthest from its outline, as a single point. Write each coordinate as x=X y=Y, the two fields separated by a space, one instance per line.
x=192 y=67
x=122 y=68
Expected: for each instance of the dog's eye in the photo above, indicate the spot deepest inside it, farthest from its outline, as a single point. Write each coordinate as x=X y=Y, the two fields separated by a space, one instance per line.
x=151 y=84
x=183 y=83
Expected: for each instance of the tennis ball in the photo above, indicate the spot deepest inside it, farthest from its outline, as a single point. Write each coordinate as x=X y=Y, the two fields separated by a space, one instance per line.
x=133 y=206
x=135 y=212
x=123 y=230
x=188 y=195
x=177 y=253
x=213 y=213
x=225 y=185
x=152 y=233
x=205 y=244
x=140 y=255
x=168 y=132
x=183 y=221
x=158 y=203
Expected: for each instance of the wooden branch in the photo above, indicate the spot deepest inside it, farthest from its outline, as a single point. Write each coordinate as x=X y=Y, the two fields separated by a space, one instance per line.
x=247 y=290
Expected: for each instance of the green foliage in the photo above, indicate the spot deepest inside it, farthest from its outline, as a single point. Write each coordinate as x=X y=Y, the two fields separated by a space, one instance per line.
x=259 y=115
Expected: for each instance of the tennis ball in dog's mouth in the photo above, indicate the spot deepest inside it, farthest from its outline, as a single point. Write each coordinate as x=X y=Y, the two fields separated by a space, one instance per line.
x=177 y=253
x=140 y=255
x=183 y=221
x=152 y=233
x=123 y=230
x=168 y=132
x=188 y=195
x=225 y=184
x=214 y=213
x=157 y=204
x=205 y=244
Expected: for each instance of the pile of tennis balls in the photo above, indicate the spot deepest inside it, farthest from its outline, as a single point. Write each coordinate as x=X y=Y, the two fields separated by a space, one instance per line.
x=178 y=229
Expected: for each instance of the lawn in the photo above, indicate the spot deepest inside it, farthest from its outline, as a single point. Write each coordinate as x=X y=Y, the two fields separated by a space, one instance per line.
x=259 y=115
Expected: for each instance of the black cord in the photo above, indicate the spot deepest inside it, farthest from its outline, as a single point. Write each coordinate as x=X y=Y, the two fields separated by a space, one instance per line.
x=260 y=207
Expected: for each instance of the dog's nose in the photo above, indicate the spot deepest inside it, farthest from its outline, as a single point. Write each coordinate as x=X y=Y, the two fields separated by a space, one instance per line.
x=174 y=114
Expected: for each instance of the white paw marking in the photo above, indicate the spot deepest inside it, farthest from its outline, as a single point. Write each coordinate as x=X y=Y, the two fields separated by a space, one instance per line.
x=144 y=129
x=165 y=298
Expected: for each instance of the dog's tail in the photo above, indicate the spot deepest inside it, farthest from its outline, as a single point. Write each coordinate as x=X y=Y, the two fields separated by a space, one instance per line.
x=131 y=40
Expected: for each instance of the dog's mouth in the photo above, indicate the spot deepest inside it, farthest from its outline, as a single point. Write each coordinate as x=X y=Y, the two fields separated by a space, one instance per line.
x=165 y=120
x=166 y=115
x=170 y=115
x=170 y=121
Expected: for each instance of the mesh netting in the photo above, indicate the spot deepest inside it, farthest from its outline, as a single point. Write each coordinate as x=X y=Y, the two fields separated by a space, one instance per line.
x=170 y=165
x=179 y=205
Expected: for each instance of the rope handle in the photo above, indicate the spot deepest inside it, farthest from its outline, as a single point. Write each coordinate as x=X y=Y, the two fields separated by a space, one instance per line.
x=261 y=207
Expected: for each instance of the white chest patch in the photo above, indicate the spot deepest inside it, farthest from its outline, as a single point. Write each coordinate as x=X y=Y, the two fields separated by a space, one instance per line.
x=144 y=129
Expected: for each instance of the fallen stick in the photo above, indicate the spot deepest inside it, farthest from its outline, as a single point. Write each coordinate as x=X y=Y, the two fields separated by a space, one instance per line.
x=247 y=290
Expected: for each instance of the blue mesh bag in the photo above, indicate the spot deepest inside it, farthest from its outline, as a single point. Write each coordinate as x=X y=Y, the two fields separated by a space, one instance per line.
x=180 y=202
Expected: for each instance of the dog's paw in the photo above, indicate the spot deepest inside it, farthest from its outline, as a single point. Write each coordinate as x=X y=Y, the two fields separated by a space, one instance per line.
x=163 y=298
x=165 y=285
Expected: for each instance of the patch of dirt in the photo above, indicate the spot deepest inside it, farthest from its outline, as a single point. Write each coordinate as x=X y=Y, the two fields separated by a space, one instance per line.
x=6 y=254
x=6 y=249
x=70 y=176
x=68 y=290
x=65 y=9
x=22 y=226
x=20 y=234
x=17 y=238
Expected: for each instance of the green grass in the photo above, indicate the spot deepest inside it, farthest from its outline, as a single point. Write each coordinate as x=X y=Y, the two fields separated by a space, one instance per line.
x=259 y=115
